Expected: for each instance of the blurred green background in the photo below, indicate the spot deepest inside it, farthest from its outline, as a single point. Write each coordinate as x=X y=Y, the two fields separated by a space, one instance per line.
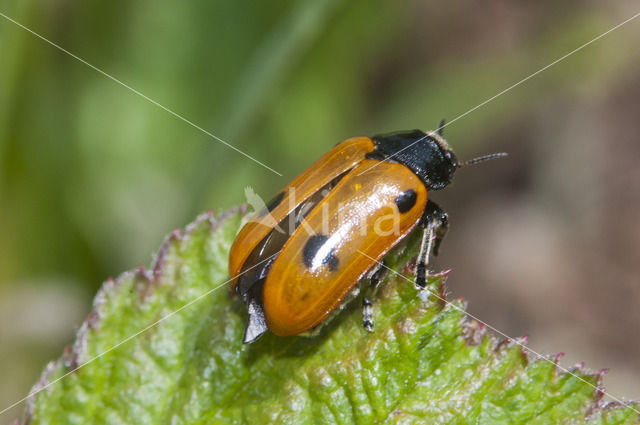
x=92 y=176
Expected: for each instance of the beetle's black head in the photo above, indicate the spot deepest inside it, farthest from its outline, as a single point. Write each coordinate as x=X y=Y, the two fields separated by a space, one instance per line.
x=428 y=155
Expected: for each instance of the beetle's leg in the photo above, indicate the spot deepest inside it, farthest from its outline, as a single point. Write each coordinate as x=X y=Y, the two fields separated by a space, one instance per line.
x=375 y=276
x=441 y=220
x=423 y=256
x=435 y=222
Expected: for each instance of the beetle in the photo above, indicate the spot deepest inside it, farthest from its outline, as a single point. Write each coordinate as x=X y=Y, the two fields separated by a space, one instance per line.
x=344 y=214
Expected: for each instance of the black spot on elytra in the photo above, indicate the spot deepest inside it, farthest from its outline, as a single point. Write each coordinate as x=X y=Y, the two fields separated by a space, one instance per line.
x=406 y=200
x=311 y=248
x=273 y=204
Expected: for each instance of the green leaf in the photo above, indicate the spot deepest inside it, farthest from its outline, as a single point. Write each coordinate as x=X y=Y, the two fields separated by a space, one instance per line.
x=424 y=363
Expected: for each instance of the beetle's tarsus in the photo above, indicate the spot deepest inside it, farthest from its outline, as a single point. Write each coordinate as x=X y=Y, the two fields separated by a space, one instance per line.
x=367 y=314
x=368 y=325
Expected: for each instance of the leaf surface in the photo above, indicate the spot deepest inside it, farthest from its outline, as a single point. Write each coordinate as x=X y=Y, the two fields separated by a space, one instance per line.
x=424 y=363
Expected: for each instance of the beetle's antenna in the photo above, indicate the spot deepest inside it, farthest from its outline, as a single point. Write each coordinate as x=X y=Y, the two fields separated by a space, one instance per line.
x=440 y=127
x=481 y=159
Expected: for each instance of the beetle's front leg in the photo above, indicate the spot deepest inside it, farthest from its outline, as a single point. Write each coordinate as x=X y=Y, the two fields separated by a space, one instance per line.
x=375 y=276
x=435 y=223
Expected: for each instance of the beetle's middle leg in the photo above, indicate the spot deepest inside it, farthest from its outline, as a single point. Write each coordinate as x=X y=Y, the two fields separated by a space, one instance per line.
x=374 y=277
x=435 y=223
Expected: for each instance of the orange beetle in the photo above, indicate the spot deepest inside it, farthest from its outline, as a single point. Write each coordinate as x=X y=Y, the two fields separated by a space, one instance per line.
x=296 y=261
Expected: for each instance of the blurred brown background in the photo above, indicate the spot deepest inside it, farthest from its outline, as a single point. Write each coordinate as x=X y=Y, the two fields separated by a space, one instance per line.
x=92 y=176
